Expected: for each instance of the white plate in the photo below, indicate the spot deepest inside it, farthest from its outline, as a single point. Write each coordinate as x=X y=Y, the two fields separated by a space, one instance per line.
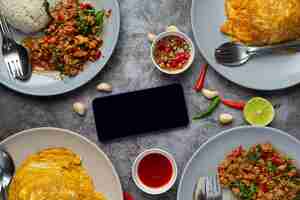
x=206 y=159
x=40 y=85
x=270 y=72
x=98 y=165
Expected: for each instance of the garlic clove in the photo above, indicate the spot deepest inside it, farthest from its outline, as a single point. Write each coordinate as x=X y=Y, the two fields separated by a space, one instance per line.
x=151 y=36
x=172 y=28
x=79 y=108
x=209 y=94
x=104 y=87
x=225 y=118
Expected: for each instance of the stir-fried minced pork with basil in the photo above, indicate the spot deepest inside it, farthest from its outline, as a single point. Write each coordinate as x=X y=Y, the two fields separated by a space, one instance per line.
x=72 y=38
x=260 y=173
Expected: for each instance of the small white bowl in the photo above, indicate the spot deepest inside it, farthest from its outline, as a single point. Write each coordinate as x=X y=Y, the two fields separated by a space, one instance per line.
x=150 y=190
x=179 y=34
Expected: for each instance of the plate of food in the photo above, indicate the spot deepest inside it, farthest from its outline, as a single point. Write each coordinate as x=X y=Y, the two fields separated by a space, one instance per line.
x=69 y=41
x=251 y=162
x=54 y=163
x=253 y=23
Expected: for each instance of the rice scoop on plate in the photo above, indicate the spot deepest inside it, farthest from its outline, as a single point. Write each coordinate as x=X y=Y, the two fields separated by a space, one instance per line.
x=27 y=16
x=262 y=22
x=53 y=174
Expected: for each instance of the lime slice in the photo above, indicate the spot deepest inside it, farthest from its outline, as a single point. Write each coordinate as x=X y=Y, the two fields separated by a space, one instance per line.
x=259 y=112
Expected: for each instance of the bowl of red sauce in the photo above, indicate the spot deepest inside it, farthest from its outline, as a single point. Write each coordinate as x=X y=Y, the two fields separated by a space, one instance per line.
x=172 y=52
x=154 y=171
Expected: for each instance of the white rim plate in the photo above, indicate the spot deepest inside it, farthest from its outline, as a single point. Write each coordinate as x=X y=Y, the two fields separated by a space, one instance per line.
x=40 y=85
x=272 y=72
x=96 y=162
x=206 y=159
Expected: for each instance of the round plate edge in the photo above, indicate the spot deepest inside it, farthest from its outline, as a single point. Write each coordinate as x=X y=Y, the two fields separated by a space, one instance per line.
x=223 y=75
x=218 y=135
x=75 y=86
x=76 y=135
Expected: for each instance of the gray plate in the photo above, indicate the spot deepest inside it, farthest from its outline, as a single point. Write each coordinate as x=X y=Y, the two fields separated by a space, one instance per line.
x=205 y=160
x=41 y=85
x=271 y=72
x=95 y=161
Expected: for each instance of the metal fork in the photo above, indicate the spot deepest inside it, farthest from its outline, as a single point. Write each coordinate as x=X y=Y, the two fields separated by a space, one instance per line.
x=235 y=54
x=208 y=188
x=10 y=51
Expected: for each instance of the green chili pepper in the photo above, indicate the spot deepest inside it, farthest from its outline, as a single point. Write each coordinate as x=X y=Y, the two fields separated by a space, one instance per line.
x=211 y=108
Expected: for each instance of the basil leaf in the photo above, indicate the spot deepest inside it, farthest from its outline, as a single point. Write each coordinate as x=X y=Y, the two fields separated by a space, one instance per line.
x=99 y=19
x=255 y=156
x=271 y=167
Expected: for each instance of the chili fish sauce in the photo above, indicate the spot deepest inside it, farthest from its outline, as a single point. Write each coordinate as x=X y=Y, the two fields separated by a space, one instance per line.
x=155 y=170
x=172 y=52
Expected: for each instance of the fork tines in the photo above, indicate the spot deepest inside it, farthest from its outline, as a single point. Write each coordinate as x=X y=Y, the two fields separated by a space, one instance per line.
x=11 y=57
x=208 y=188
x=5 y=29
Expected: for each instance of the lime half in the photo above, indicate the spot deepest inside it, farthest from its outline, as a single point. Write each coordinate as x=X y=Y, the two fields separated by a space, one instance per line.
x=259 y=112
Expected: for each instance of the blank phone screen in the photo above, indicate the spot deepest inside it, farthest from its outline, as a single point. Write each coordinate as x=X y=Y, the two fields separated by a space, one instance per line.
x=139 y=112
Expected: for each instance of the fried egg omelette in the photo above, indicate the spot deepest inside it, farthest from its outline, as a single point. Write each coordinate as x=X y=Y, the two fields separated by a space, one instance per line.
x=53 y=174
x=261 y=22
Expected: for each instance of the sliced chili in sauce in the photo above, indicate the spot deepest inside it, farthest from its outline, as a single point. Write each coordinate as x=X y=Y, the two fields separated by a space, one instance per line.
x=172 y=52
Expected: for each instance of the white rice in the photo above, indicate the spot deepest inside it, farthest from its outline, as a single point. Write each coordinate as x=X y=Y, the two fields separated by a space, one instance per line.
x=27 y=16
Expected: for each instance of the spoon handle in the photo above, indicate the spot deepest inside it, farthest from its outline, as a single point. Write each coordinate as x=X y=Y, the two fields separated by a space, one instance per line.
x=3 y=192
x=271 y=48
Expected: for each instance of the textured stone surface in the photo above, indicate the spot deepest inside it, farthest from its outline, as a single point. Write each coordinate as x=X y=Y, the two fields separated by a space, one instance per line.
x=130 y=68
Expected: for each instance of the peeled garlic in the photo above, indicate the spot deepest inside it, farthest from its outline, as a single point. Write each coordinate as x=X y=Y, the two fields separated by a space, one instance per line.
x=79 y=108
x=225 y=118
x=151 y=36
x=104 y=87
x=172 y=28
x=210 y=94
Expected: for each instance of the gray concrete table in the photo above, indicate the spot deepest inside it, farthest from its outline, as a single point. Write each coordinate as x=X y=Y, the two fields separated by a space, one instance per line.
x=130 y=68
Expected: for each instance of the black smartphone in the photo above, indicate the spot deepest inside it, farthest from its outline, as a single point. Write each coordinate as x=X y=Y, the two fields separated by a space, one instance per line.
x=139 y=112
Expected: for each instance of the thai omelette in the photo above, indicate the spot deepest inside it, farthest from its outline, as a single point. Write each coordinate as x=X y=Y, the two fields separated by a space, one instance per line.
x=53 y=174
x=261 y=22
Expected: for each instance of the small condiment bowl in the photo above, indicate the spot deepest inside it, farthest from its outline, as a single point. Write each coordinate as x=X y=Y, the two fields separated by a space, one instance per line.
x=183 y=36
x=145 y=188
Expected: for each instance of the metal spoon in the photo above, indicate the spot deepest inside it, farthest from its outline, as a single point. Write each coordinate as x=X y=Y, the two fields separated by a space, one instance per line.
x=7 y=169
x=235 y=54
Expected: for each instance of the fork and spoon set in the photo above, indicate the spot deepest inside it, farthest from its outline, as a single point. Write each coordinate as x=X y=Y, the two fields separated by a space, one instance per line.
x=235 y=54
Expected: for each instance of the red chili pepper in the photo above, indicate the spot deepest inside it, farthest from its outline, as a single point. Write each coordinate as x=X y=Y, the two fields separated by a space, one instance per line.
x=173 y=64
x=180 y=58
x=277 y=161
x=51 y=40
x=182 y=55
x=264 y=187
x=200 y=82
x=127 y=196
x=237 y=152
x=61 y=16
x=98 y=55
x=234 y=104
x=85 y=6
x=45 y=39
x=167 y=49
x=161 y=46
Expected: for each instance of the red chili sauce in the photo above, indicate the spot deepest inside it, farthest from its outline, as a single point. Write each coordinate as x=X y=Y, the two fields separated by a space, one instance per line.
x=155 y=170
x=172 y=52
